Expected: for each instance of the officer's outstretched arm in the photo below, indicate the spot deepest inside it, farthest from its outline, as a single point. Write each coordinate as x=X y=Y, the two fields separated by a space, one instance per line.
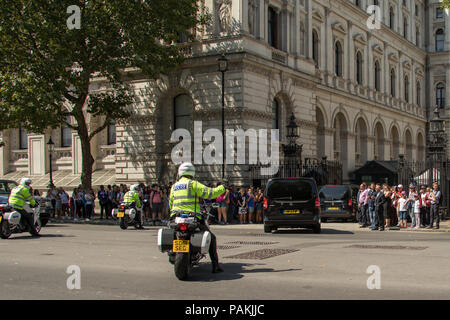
x=205 y=192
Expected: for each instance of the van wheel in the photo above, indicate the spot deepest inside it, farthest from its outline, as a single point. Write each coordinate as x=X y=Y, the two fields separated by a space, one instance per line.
x=267 y=229
x=317 y=229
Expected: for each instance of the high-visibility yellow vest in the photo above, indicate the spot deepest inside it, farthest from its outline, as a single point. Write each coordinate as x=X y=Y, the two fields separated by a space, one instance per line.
x=132 y=197
x=19 y=195
x=185 y=194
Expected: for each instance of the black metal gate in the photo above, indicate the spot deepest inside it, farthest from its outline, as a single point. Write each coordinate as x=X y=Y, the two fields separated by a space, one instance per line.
x=426 y=173
x=323 y=171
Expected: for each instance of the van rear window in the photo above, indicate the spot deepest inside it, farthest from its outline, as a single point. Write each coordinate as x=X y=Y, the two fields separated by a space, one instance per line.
x=295 y=190
x=334 y=193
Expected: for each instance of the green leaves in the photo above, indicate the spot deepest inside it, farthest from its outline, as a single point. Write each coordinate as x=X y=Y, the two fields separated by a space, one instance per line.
x=38 y=54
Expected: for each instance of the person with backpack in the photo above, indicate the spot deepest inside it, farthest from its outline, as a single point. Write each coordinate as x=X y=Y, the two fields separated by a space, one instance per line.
x=156 y=204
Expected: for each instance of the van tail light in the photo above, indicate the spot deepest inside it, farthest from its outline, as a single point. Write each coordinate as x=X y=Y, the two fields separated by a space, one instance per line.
x=122 y=206
x=183 y=226
x=265 y=203
x=317 y=203
x=350 y=203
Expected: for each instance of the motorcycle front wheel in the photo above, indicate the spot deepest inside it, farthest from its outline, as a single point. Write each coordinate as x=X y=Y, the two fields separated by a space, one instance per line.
x=181 y=265
x=5 y=232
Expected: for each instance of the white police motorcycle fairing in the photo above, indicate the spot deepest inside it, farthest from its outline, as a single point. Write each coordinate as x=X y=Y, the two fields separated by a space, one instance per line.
x=11 y=221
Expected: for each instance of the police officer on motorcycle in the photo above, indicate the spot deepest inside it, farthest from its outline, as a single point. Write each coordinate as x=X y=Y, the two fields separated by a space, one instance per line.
x=131 y=198
x=17 y=199
x=184 y=198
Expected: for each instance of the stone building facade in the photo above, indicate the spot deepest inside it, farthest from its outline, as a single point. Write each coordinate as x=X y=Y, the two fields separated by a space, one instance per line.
x=358 y=92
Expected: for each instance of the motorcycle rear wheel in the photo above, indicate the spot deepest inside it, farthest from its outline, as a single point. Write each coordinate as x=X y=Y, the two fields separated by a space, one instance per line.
x=5 y=232
x=181 y=266
x=123 y=224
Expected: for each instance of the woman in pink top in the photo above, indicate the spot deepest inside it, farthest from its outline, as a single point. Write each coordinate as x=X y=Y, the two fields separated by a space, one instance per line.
x=222 y=210
x=156 y=204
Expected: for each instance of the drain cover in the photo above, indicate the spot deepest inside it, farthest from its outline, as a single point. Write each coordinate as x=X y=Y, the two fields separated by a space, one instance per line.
x=252 y=243
x=227 y=247
x=262 y=254
x=369 y=246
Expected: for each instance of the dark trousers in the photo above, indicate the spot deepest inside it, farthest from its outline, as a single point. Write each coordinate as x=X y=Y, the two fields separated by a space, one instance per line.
x=427 y=216
x=434 y=214
x=89 y=208
x=213 y=246
x=103 y=208
x=380 y=216
x=28 y=218
x=365 y=220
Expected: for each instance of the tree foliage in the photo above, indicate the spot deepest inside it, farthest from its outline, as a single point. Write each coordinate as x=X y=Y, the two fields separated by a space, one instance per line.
x=46 y=68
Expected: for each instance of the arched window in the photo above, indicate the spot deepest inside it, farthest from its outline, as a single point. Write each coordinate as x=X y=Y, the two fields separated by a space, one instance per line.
x=182 y=112
x=66 y=135
x=358 y=3
x=112 y=133
x=393 y=82
x=23 y=138
x=377 y=76
x=440 y=95
x=440 y=40
x=315 y=39
x=418 y=94
x=273 y=28
x=406 y=83
x=391 y=18
x=359 y=68
x=338 y=58
x=276 y=114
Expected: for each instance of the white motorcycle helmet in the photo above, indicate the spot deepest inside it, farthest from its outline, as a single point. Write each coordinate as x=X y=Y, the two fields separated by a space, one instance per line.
x=134 y=187
x=26 y=182
x=186 y=169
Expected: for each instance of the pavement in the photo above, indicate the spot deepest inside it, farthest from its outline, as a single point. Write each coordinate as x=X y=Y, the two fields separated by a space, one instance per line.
x=293 y=264
x=349 y=226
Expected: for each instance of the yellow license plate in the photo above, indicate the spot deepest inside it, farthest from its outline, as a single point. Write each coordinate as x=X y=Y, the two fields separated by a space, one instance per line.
x=120 y=214
x=1 y=218
x=180 y=246
x=291 y=211
x=333 y=208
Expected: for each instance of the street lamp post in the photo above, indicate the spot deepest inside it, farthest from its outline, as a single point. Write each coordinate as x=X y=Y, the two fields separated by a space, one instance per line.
x=292 y=149
x=50 y=145
x=223 y=67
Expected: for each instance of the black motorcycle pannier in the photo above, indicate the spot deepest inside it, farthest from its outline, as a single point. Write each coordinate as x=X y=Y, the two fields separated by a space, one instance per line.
x=165 y=239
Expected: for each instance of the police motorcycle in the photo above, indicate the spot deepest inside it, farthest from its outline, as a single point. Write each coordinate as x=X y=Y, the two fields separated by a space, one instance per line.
x=184 y=243
x=11 y=220
x=127 y=215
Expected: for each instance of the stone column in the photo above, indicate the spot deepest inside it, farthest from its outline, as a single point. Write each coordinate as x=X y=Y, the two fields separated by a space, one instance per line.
x=5 y=151
x=329 y=152
x=348 y=165
x=308 y=25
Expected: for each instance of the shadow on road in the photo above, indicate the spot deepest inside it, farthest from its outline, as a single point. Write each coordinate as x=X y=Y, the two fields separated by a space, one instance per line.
x=13 y=237
x=232 y=271
x=307 y=231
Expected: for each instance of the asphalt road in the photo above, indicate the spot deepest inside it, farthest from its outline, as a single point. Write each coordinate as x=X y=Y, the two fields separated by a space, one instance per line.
x=118 y=264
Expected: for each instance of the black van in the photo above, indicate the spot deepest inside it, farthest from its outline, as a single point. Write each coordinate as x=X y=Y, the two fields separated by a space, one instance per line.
x=291 y=203
x=337 y=202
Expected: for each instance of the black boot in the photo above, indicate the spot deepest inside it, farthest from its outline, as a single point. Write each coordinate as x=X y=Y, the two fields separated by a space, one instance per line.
x=216 y=267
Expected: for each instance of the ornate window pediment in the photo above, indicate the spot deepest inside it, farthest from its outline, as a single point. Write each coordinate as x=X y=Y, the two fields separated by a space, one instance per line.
x=316 y=14
x=393 y=57
x=377 y=48
x=407 y=64
x=358 y=37
x=337 y=26
x=419 y=72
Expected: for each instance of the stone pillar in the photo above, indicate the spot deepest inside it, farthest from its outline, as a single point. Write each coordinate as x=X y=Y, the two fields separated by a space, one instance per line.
x=308 y=25
x=329 y=132
x=351 y=58
x=447 y=31
x=37 y=155
x=387 y=149
x=370 y=147
x=5 y=151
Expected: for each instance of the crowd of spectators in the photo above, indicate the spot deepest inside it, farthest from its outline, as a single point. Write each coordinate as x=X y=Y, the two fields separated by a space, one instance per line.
x=236 y=205
x=381 y=206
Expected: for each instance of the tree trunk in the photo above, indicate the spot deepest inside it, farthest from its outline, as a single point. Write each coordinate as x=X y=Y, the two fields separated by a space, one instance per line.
x=86 y=163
